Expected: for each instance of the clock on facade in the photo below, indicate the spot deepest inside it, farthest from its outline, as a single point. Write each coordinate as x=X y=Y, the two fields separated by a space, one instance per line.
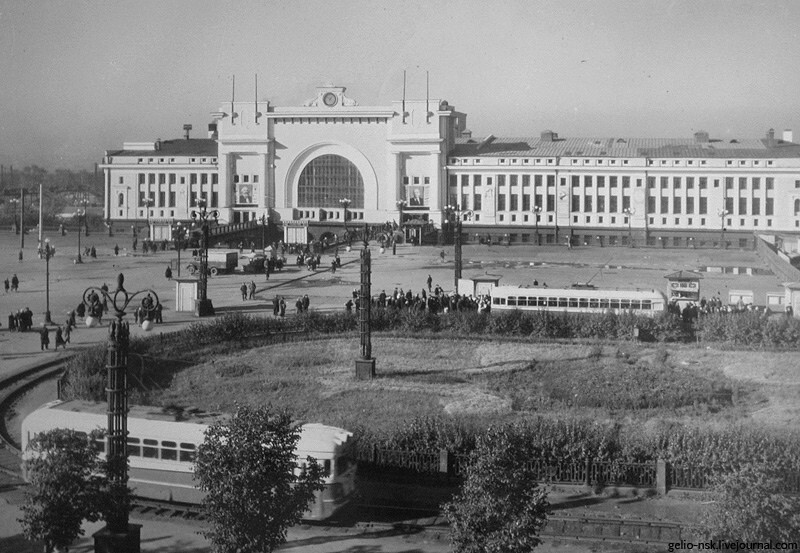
x=330 y=99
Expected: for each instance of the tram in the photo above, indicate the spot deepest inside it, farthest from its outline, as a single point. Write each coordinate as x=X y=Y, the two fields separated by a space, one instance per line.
x=577 y=299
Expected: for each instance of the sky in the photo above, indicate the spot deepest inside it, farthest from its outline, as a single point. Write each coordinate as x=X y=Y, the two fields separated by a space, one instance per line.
x=78 y=77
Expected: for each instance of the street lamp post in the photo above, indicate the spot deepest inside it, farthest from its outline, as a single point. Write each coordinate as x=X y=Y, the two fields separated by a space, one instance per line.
x=118 y=535
x=722 y=213
x=204 y=307
x=459 y=215
x=81 y=215
x=47 y=252
x=264 y=222
x=345 y=202
x=537 y=209
x=629 y=212
x=401 y=204
x=147 y=203
x=178 y=236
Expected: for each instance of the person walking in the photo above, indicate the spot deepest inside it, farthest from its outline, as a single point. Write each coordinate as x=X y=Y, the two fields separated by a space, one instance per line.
x=168 y=273
x=252 y=290
x=430 y=283
x=276 y=306
x=116 y=249
x=283 y=307
x=243 y=289
x=67 y=332
x=306 y=303
x=6 y=285
x=15 y=283
x=60 y=338
x=44 y=338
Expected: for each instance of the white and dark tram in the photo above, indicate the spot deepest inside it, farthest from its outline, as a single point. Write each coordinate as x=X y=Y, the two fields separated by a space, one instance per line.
x=577 y=299
x=161 y=451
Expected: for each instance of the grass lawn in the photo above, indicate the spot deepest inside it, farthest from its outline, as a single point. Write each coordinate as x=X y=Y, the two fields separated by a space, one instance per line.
x=494 y=381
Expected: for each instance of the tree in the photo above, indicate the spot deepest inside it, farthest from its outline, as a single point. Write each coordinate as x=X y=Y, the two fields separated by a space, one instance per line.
x=749 y=506
x=67 y=487
x=500 y=508
x=254 y=494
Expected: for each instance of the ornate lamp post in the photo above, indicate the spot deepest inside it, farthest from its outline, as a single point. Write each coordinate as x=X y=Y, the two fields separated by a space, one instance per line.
x=118 y=535
x=204 y=307
x=537 y=209
x=365 y=365
x=47 y=252
x=456 y=211
x=722 y=213
x=345 y=204
x=630 y=212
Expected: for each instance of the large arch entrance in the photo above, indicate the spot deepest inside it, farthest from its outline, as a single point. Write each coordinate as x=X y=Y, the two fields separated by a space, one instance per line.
x=328 y=178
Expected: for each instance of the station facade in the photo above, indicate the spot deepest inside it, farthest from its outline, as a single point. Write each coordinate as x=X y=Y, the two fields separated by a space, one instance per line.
x=404 y=163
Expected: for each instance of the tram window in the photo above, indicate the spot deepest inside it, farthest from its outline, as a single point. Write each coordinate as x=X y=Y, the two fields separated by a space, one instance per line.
x=512 y=301
x=594 y=303
x=552 y=302
x=625 y=304
x=645 y=304
x=636 y=304
x=583 y=302
x=169 y=451
x=541 y=302
x=562 y=302
x=615 y=304
x=187 y=452
x=522 y=302
x=604 y=303
x=134 y=449
x=150 y=449
x=573 y=302
x=326 y=468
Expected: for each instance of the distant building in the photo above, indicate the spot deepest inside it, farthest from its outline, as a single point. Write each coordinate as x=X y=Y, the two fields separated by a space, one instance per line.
x=412 y=158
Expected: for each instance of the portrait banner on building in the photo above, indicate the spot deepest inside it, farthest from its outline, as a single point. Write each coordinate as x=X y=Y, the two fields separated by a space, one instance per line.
x=244 y=193
x=417 y=196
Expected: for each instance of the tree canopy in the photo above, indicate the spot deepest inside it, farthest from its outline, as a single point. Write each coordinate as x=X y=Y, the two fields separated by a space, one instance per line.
x=500 y=508
x=67 y=486
x=255 y=488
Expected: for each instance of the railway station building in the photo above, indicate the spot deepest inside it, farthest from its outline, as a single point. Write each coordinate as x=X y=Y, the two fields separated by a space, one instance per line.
x=405 y=163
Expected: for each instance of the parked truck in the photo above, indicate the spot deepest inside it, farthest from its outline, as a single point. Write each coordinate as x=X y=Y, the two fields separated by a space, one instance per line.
x=219 y=261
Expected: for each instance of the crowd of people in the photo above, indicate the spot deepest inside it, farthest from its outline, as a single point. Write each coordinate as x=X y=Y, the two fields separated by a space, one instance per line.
x=430 y=298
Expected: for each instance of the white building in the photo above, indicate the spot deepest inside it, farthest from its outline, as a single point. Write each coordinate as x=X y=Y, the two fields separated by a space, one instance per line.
x=295 y=164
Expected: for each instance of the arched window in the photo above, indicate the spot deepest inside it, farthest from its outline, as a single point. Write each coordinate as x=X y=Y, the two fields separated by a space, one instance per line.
x=326 y=180
x=121 y=200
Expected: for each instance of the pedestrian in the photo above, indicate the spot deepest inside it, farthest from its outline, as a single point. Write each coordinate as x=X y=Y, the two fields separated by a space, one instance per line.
x=306 y=303
x=283 y=307
x=430 y=283
x=12 y=323
x=159 y=316
x=135 y=242
x=348 y=306
x=276 y=305
x=60 y=338
x=333 y=267
x=67 y=332
x=243 y=289
x=252 y=290
x=168 y=273
x=116 y=249
x=299 y=305
x=93 y=253
x=6 y=285
x=15 y=283
x=267 y=269
x=44 y=338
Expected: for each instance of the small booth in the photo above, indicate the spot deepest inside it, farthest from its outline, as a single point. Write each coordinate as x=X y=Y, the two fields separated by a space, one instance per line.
x=185 y=293
x=683 y=288
x=792 y=298
x=477 y=286
x=295 y=232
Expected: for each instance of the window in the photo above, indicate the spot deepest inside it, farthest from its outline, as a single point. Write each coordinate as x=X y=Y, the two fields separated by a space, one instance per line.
x=756 y=183
x=151 y=178
x=601 y=182
x=601 y=204
x=576 y=180
x=204 y=178
x=729 y=205
x=134 y=448
x=676 y=205
x=664 y=182
x=476 y=202
x=169 y=451
x=769 y=208
x=728 y=183
x=626 y=182
x=689 y=205
x=651 y=204
x=587 y=203
x=327 y=179
x=501 y=202
x=193 y=178
x=526 y=202
x=576 y=203
x=703 y=183
x=742 y=183
x=664 y=204
x=587 y=180
x=703 y=210
x=756 y=206
x=742 y=206
x=651 y=182
x=689 y=182
x=676 y=182
x=770 y=182
x=612 y=206
x=514 y=206
x=150 y=449
x=120 y=199
x=141 y=178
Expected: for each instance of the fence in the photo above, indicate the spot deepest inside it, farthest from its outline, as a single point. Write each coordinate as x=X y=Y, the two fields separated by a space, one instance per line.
x=658 y=475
